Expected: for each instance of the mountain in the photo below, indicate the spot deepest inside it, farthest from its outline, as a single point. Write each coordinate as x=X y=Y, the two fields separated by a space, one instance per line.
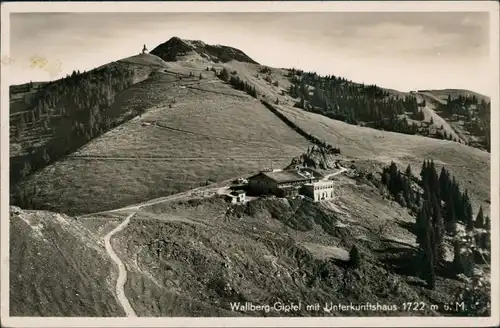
x=176 y=48
x=135 y=156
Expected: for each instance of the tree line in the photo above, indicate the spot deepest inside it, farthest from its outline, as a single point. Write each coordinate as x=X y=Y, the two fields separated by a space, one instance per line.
x=235 y=81
x=353 y=103
x=439 y=208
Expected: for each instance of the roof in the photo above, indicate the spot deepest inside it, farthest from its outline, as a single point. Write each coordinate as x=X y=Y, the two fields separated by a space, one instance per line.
x=284 y=176
x=322 y=183
x=286 y=188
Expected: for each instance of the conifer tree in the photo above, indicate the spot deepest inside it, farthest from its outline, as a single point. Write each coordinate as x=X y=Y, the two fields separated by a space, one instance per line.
x=421 y=224
x=480 y=218
x=487 y=223
x=444 y=181
x=438 y=226
x=449 y=215
x=467 y=211
x=428 y=258
x=354 y=257
x=458 y=265
x=408 y=172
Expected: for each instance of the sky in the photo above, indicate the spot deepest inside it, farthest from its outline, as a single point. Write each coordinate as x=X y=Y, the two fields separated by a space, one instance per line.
x=398 y=50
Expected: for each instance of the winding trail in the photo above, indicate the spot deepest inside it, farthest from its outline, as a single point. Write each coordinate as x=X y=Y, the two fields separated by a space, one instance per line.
x=122 y=271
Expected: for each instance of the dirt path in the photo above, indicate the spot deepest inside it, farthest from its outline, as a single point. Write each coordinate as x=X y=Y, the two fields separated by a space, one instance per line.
x=166 y=159
x=154 y=201
x=328 y=176
x=122 y=270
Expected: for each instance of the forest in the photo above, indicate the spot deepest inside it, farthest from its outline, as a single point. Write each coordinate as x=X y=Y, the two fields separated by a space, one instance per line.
x=353 y=103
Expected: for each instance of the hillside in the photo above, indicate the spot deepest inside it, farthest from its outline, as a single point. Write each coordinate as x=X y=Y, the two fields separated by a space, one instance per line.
x=58 y=267
x=195 y=257
x=65 y=114
x=374 y=148
x=191 y=132
x=466 y=115
x=148 y=144
x=454 y=94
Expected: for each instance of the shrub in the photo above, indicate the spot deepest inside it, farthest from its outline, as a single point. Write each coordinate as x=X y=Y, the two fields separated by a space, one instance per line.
x=354 y=257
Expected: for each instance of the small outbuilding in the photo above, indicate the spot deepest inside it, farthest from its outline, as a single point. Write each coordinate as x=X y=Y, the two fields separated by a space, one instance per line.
x=236 y=196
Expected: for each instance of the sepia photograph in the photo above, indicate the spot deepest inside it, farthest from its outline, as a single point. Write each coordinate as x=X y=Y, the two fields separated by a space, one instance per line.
x=242 y=163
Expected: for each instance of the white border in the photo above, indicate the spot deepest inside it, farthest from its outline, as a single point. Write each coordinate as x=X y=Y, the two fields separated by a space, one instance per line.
x=270 y=6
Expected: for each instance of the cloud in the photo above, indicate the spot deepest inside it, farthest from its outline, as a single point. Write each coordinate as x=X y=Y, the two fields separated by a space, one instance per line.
x=394 y=40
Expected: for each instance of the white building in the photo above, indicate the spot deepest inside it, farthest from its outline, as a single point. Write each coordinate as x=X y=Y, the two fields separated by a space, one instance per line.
x=237 y=196
x=318 y=191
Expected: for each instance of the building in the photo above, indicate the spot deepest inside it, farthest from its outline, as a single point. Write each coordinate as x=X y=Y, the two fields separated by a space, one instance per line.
x=282 y=183
x=237 y=196
x=288 y=191
x=319 y=191
x=240 y=195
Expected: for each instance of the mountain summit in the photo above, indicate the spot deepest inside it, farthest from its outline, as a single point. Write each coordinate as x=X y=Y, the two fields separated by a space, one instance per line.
x=175 y=48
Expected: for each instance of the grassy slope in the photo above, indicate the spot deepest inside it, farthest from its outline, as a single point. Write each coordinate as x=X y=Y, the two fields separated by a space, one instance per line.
x=211 y=132
x=58 y=268
x=471 y=166
x=224 y=129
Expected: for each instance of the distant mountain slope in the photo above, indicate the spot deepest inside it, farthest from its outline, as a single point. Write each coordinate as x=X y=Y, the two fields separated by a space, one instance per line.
x=370 y=105
x=430 y=115
x=373 y=147
x=455 y=93
x=466 y=113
